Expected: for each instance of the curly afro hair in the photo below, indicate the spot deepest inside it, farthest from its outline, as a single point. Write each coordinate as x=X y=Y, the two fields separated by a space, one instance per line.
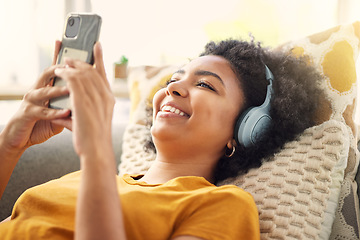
x=294 y=101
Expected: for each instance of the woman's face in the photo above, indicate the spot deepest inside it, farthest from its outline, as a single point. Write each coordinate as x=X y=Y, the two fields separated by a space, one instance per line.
x=198 y=108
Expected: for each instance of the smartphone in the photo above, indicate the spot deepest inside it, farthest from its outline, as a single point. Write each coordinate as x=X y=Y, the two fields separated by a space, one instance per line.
x=81 y=32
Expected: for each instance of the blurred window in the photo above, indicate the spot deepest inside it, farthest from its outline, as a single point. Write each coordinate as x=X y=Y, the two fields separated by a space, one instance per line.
x=153 y=32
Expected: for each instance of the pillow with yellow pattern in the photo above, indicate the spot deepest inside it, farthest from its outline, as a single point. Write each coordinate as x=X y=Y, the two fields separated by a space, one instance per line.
x=334 y=52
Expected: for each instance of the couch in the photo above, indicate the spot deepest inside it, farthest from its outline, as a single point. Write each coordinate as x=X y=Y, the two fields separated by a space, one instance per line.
x=44 y=162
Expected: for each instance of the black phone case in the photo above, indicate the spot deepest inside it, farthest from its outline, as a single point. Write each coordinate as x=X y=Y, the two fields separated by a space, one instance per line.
x=79 y=47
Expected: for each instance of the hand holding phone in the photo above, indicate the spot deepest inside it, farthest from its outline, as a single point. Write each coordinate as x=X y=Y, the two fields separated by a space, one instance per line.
x=81 y=32
x=93 y=103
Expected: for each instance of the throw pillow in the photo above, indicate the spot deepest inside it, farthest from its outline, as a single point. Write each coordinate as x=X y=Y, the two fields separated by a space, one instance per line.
x=334 y=52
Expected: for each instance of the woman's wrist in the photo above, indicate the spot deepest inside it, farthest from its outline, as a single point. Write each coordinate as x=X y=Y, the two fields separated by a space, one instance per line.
x=10 y=154
x=100 y=157
x=9 y=144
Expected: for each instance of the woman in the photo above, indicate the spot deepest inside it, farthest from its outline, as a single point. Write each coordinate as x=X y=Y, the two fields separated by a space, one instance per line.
x=193 y=122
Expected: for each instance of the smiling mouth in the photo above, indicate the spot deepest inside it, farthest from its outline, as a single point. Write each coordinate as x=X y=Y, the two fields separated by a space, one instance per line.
x=173 y=110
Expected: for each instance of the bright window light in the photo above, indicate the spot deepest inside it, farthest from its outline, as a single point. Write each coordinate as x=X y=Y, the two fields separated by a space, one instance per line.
x=29 y=30
x=154 y=32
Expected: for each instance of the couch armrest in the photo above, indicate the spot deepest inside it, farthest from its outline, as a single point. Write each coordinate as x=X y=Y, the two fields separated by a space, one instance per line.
x=50 y=160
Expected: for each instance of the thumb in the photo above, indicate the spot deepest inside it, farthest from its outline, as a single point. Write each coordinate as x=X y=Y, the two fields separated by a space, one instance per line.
x=98 y=60
x=64 y=122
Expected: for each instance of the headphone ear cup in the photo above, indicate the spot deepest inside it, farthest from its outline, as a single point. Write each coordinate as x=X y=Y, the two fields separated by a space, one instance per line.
x=239 y=127
x=251 y=125
x=254 y=122
x=260 y=127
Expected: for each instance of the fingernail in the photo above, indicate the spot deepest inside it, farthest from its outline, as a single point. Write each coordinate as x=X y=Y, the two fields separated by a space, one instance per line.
x=99 y=46
x=58 y=71
x=64 y=110
x=65 y=89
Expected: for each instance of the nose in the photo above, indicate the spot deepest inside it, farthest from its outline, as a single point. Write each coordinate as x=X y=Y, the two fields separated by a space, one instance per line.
x=177 y=89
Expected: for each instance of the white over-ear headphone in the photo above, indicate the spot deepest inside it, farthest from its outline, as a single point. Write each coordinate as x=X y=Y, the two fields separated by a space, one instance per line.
x=253 y=123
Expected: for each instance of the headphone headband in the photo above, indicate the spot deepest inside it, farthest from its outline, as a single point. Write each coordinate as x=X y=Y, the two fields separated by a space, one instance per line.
x=253 y=123
x=268 y=74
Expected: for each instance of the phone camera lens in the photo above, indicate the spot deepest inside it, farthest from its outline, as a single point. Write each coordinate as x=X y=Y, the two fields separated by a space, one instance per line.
x=71 y=22
x=72 y=26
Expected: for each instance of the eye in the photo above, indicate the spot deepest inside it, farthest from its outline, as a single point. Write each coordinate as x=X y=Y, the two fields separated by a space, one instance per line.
x=170 y=81
x=206 y=85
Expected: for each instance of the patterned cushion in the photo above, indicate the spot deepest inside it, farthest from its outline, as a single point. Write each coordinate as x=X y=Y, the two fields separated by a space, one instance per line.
x=334 y=53
x=134 y=159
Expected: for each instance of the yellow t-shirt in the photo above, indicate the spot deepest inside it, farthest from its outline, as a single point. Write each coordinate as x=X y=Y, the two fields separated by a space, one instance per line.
x=182 y=206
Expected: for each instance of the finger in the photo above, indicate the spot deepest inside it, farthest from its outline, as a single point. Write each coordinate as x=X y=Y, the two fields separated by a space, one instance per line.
x=41 y=96
x=45 y=77
x=83 y=79
x=81 y=74
x=70 y=62
x=69 y=72
x=56 y=51
x=98 y=59
x=75 y=80
x=64 y=122
x=74 y=63
x=99 y=63
x=45 y=113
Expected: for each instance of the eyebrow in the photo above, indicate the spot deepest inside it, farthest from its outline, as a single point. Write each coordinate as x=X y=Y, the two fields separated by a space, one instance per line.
x=203 y=73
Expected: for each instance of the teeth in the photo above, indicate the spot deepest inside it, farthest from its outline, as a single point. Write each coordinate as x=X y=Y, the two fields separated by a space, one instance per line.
x=173 y=110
